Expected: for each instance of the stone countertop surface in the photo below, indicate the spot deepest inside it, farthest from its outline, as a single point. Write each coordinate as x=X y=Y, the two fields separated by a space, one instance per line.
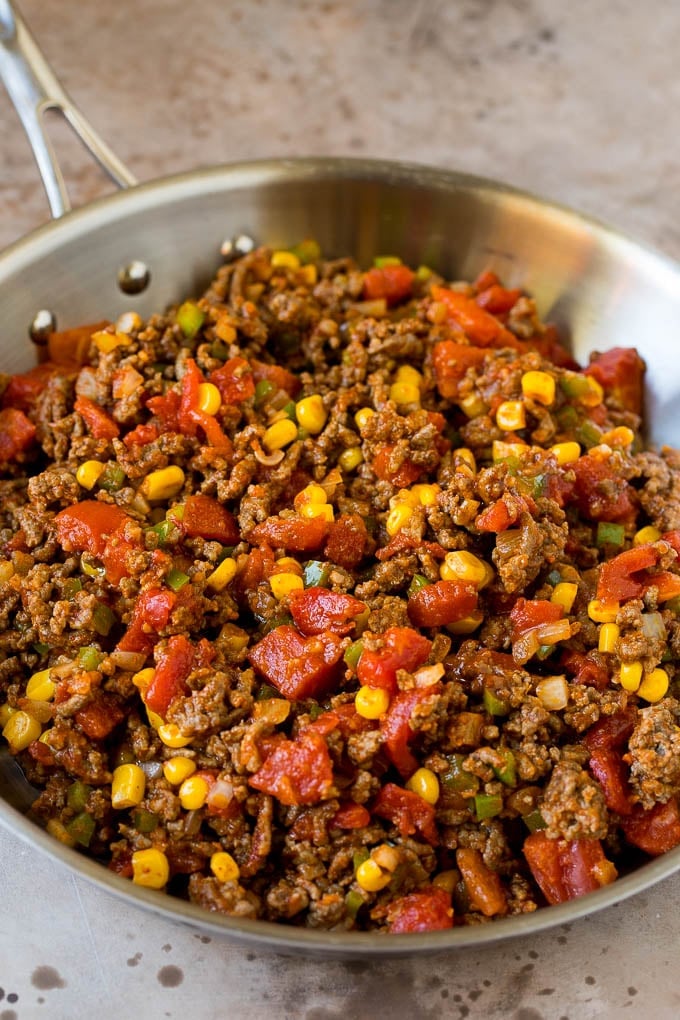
x=573 y=101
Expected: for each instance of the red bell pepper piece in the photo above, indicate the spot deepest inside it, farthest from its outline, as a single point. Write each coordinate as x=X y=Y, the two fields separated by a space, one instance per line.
x=23 y=389
x=599 y=494
x=87 y=526
x=498 y=300
x=409 y=812
x=151 y=613
x=401 y=475
x=482 y=328
x=654 y=830
x=483 y=885
x=279 y=377
x=206 y=518
x=17 y=434
x=565 y=869
x=394 y=283
x=347 y=540
x=99 y=717
x=99 y=422
x=316 y=610
x=66 y=346
x=175 y=662
x=350 y=816
x=450 y=362
x=425 y=910
x=297 y=771
x=402 y=648
x=619 y=371
x=298 y=667
x=296 y=534
x=396 y=728
x=436 y=605
x=234 y=380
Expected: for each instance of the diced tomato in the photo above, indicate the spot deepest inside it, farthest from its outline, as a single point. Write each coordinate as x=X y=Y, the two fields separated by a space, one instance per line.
x=409 y=812
x=350 y=816
x=527 y=614
x=347 y=540
x=99 y=422
x=349 y=721
x=280 y=377
x=317 y=609
x=673 y=539
x=17 y=434
x=41 y=753
x=166 y=409
x=87 y=526
x=498 y=300
x=502 y=514
x=297 y=771
x=255 y=567
x=142 y=435
x=296 y=534
x=441 y=603
x=402 y=648
x=425 y=910
x=450 y=362
x=298 y=667
x=666 y=583
x=24 y=389
x=565 y=869
x=394 y=283
x=120 y=544
x=616 y=582
x=549 y=347
x=150 y=615
x=205 y=517
x=175 y=661
x=68 y=345
x=611 y=731
x=609 y=769
x=619 y=371
x=482 y=328
x=396 y=728
x=654 y=830
x=400 y=475
x=234 y=380
x=587 y=669
x=483 y=886
x=599 y=494
x=99 y=717
x=403 y=542
x=190 y=418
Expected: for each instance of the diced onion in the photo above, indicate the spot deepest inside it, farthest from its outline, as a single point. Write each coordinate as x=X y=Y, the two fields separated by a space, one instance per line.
x=129 y=661
x=151 y=769
x=268 y=459
x=428 y=675
x=653 y=626
x=553 y=693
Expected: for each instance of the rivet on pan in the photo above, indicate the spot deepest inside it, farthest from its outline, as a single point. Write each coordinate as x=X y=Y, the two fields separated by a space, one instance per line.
x=43 y=324
x=134 y=277
x=235 y=246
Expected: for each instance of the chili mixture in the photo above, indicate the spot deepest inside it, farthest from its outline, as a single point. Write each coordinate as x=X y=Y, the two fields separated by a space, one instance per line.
x=342 y=598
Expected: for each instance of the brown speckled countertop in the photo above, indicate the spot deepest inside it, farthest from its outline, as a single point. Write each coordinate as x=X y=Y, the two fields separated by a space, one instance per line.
x=575 y=101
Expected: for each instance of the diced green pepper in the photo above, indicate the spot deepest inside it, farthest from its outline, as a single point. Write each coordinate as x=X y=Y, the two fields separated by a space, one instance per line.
x=554 y=577
x=81 y=828
x=568 y=417
x=90 y=657
x=167 y=531
x=176 y=579
x=307 y=251
x=190 y=318
x=353 y=654
x=534 y=821
x=219 y=350
x=610 y=534
x=289 y=409
x=354 y=901
x=544 y=651
x=588 y=434
x=418 y=581
x=423 y=273
x=41 y=648
x=263 y=389
x=145 y=821
x=382 y=261
x=71 y=587
x=316 y=574
x=103 y=619
x=493 y=704
x=112 y=478
x=359 y=857
x=487 y=805
x=90 y=567
x=315 y=711
x=456 y=779
x=507 y=772
x=77 y=796
x=266 y=692
x=574 y=385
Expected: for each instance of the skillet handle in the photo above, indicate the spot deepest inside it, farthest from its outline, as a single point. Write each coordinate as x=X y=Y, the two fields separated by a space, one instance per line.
x=34 y=88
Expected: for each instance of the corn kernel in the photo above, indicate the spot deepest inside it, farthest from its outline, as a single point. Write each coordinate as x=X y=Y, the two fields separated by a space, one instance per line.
x=619 y=437
x=209 y=398
x=142 y=679
x=539 y=386
x=595 y=394
x=405 y=497
x=280 y=434
x=285 y=260
x=464 y=566
x=222 y=574
x=500 y=450
x=511 y=416
x=468 y=625
x=363 y=416
x=409 y=374
x=107 y=342
x=466 y=456
x=6 y=570
x=566 y=453
x=311 y=414
x=607 y=638
x=150 y=868
x=172 y=736
x=59 y=831
x=224 y=867
x=40 y=687
x=311 y=493
x=88 y=473
x=425 y=783
x=427 y=494
x=6 y=713
x=163 y=484
x=564 y=594
x=397 y=518
x=283 y=584
x=630 y=675
x=404 y=393
x=350 y=458
x=155 y=720
x=127 y=786
x=446 y=880
x=324 y=510
x=177 y=769
x=646 y=535
x=472 y=405
x=20 y=730
x=287 y=565
x=371 y=877
x=602 y=612
x=371 y=702
x=309 y=274
x=654 y=686
x=193 y=793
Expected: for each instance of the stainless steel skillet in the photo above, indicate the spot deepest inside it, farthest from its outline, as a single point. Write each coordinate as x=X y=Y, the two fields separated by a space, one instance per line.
x=601 y=288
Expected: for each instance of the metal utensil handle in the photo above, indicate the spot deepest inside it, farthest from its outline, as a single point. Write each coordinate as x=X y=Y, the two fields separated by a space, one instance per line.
x=34 y=88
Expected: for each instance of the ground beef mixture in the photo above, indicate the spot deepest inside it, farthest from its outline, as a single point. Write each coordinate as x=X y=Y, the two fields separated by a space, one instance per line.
x=340 y=598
